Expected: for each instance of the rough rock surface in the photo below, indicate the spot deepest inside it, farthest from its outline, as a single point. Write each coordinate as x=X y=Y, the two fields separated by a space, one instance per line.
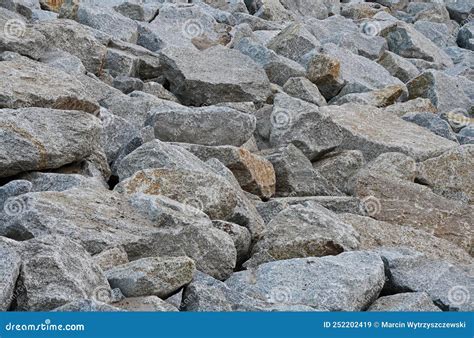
x=236 y=155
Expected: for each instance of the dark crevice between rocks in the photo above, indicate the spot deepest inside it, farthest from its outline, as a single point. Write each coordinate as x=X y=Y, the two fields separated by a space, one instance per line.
x=112 y=182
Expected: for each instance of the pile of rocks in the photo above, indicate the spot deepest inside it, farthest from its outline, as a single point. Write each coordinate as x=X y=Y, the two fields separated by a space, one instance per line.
x=231 y=155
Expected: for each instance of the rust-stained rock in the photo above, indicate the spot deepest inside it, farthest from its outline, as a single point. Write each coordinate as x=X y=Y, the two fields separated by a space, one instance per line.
x=254 y=173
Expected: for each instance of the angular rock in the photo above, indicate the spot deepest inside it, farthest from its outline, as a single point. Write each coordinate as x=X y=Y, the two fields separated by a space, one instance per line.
x=153 y=276
x=52 y=88
x=302 y=88
x=466 y=135
x=450 y=174
x=418 y=105
x=433 y=123
x=254 y=173
x=444 y=91
x=439 y=33
x=157 y=89
x=348 y=282
x=204 y=190
x=376 y=98
x=338 y=167
x=304 y=125
x=76 y=39
x=337 y=204
x=110 y=258
x=160 y=155
x=56 y=271
x=374 y=132
x=40 y=138
x=240 y=235
x=214 y=75
x=449 y=286
x=59 y=182
x=306 y=230
x=459 y=10
x=465 y=38
x=339 y=71
x=145 y=226
x=407 y=42
x=406 y=302
x=9 y=271
x=295 y=176
x=398 y=66
x=375 y=234
x=211 y=126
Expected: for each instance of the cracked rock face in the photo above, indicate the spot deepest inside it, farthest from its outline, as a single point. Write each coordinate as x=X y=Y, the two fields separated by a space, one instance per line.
x=236 y=155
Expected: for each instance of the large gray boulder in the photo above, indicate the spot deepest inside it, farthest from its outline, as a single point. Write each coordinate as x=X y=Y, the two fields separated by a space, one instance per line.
x=304 y=125
x=449 y=286
x=52 y=88
x=152 y=276
x=214 y=75
x=40 y=138
x=374 y=132
x=306 y=230
x=406 y=302
x=157 y=154
x=210 y=126
x=144 y=225
x=347 y=282
x=56 y=271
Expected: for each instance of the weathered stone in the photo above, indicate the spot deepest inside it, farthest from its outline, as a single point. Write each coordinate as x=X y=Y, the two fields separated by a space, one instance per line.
x=157 y=89
x=418 y=105
x=12 y=190
x=450 y=174
x=52 y=88
x=358 y=11
x=294 y=174
x=40 y=138
x=375 y=234
x=306 y=230
x=465 y=38
x=302 y=88
x=398 y=66
x=338 y=204
x=466 y=135
x=214 y=75
x=407 y=302
x=339 y=71
x=76 y=39
x=444 y=91
x=9 y=271
x=406 y=41
x=16 y=36
x=376 y=98
x=153 y=276
x=347 y=282
x=304 y=125
x=211 y=126
x=398 y=201
x=435 y=12
x=339 y=167
x=433 y=123
x=144 y=225
x=439 y=33
x=240 y=235
x=160 y=155
x=138 y=11
x=449 y=286
x=459 y=10
x=204 y=190
x=278 y=68
x=59 y=182
x=64 y=61
x=110 y=258
x=56 y=271
x=294 y=42
x=374 y=132
x=254 y=173
x=127 y=84
x=145 y=304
